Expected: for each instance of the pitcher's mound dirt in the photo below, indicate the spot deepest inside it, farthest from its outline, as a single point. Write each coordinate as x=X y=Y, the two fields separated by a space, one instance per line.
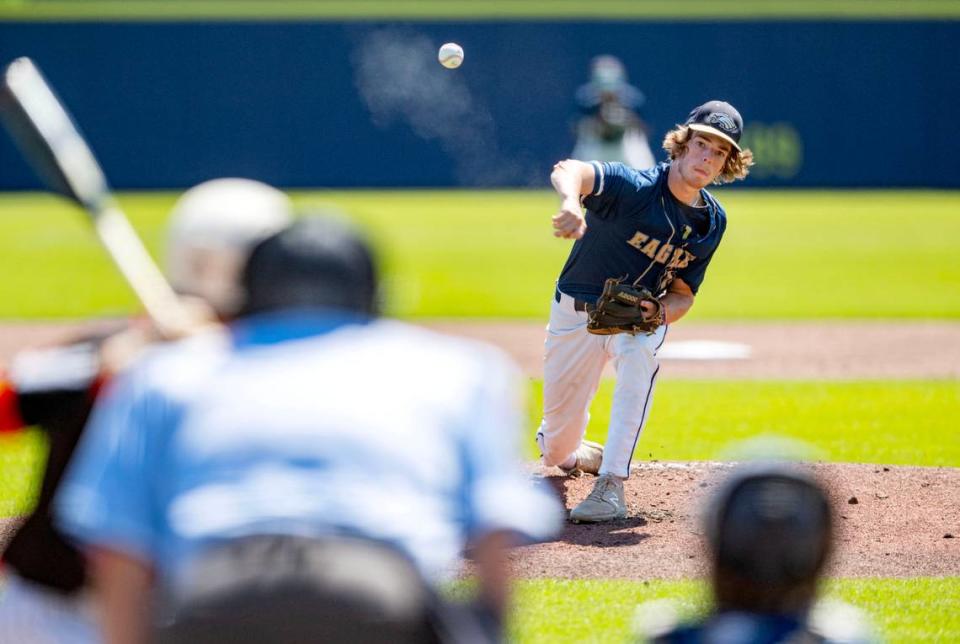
x=898 y=525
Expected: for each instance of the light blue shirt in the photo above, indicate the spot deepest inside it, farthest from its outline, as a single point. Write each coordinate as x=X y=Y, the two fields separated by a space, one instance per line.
x=306 y=424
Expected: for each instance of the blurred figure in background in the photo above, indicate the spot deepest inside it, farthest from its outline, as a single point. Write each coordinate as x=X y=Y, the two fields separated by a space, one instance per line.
x=610 y=127
x=211 y=230
x=769 y=532
x=309 y=477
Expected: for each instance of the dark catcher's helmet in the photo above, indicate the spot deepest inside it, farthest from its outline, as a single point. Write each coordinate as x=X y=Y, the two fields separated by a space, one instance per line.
x=320 y=261
x=771 y=525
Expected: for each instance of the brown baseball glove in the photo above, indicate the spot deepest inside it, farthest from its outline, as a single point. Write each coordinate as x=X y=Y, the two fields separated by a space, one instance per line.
x=619 y=310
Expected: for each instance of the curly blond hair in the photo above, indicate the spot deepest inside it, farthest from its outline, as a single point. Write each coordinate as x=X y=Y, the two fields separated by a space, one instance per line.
x=737 y=165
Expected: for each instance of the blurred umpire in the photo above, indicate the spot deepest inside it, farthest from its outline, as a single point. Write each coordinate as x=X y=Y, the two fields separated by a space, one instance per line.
x=46 y=591
x=769 y=532
x=310 y=476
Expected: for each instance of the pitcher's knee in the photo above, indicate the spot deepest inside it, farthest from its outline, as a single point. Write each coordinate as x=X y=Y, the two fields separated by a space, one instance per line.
x=554 y=452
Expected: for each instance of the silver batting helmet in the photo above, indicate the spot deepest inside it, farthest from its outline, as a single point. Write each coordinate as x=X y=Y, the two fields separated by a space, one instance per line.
x=212 y=229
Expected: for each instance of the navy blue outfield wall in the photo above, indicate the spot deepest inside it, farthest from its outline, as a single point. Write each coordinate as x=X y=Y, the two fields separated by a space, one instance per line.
x=339 y=104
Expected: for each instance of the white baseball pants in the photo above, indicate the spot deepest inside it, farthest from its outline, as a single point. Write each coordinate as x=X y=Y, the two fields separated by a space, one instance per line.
x=573 y=363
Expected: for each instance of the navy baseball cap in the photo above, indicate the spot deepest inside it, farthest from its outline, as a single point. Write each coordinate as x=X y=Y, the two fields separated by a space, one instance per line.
x=717 y=118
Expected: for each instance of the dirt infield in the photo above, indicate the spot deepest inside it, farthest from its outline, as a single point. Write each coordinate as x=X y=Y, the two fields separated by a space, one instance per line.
x=801 y=350
x=892 y=521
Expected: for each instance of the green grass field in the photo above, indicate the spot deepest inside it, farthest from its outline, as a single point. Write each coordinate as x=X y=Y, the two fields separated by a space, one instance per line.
x=567 y=611
x=890 y=422
x=20 y=455
x=487 y=9
x=458 y=254
x=786 y=255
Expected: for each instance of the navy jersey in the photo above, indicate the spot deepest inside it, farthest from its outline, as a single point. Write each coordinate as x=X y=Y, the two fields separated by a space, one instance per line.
x=636 y=228
x=742 y=628
x=830 y=622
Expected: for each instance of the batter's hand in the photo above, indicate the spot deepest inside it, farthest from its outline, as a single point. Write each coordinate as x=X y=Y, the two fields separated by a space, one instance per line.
x=121 y=349
x=569 y=222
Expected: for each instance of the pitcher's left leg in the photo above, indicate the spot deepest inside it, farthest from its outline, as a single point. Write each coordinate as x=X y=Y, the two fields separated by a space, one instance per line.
x=635 y=361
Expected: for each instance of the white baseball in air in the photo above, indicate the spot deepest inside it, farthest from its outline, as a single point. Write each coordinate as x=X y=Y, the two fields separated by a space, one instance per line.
x=450 y=55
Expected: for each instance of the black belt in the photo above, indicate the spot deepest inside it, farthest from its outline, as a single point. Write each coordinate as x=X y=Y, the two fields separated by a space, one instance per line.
x=578 y=305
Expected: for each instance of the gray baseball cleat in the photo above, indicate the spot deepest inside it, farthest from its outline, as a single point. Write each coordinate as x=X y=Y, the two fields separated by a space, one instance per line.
x=589 y=457
x=605 y=503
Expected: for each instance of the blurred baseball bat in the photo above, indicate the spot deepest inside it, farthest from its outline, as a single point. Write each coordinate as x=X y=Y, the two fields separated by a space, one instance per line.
x=51 y=142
